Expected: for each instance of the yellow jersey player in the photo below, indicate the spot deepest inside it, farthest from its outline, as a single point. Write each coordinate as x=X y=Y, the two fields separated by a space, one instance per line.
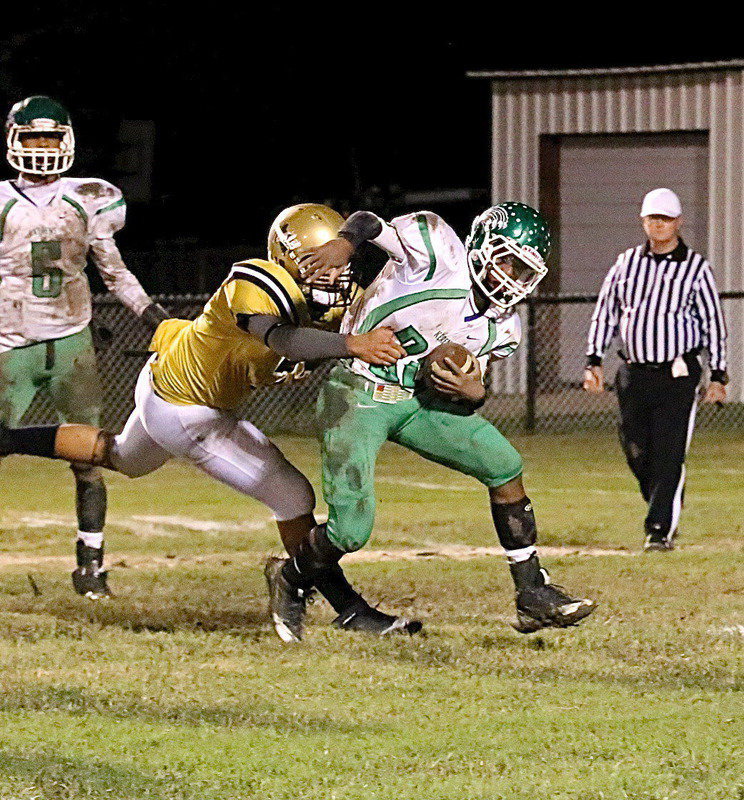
x=200 y=372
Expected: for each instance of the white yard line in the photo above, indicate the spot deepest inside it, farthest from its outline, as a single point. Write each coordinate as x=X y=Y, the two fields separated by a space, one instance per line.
x=437 y=487
x=453 y=487
x=192 y=524
x=452 y=552
x=143 y=526
x=729 y=630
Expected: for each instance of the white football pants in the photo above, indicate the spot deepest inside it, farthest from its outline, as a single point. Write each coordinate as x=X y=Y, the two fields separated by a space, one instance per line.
x=219 y=443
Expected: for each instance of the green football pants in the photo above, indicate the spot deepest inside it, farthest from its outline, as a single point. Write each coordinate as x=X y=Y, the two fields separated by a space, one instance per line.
x=65 y=368
x=355 y=427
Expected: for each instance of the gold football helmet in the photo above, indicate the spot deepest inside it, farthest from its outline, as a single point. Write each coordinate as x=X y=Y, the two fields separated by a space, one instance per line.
x=292 y=233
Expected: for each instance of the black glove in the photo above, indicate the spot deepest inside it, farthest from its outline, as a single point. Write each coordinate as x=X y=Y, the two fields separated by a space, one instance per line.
x=101 y=335
x=153 y=315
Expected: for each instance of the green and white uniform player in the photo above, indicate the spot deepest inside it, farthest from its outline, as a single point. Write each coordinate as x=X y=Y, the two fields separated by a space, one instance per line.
x=433 y=289
x=49 y=226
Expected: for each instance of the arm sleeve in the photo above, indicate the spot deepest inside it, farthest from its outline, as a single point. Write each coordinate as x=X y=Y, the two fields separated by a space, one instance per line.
x=605 y=319
x=361 y=226
x=118 y=279
x=293 y=342
x=104 y=223
x=364 y=226
x=708 y=307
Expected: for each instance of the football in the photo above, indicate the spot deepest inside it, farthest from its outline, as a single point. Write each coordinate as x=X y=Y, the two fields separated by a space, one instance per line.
x=455 y=352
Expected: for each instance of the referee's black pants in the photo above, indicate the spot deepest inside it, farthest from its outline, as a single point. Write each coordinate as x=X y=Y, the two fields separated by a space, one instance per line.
x=657 y=415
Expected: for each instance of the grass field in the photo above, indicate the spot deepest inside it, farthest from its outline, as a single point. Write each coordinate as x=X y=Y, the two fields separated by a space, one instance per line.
x=177 y=688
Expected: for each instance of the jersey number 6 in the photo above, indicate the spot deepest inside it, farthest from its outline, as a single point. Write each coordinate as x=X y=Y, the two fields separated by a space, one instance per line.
x=47 y=279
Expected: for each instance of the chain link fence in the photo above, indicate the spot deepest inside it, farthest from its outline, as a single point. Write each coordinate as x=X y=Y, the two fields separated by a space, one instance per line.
x=536 y=389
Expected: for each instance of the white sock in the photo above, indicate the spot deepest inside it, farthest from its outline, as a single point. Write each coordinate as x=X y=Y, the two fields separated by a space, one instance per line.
x=92 y=539
x=523 y=554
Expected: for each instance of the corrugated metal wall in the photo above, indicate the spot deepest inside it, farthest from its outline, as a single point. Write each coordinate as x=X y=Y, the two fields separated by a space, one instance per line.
x=706 y=100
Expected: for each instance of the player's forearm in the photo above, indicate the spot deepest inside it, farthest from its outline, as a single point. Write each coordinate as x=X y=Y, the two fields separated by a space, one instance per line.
x=361 y=226
x=364 y=226
x=118 y=279
x=296 y=343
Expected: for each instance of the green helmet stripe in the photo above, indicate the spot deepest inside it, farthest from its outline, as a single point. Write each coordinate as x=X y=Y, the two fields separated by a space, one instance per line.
x=38 y=107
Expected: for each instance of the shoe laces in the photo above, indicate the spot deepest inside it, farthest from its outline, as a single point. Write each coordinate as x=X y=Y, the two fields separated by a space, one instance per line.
x=556 y=591
x=307 y=595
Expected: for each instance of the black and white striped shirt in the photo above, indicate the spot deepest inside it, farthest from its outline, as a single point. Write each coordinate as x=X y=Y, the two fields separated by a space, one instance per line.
x=663 y=307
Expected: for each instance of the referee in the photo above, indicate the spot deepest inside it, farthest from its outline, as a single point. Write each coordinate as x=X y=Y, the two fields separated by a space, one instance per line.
x=662 y=299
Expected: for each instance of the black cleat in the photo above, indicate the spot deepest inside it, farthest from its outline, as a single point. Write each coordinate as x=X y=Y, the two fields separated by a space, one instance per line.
x=90 y=582
x=362 y=617
x=286 y=602
x=549 y=606
x=90 y=578
x=658 y=541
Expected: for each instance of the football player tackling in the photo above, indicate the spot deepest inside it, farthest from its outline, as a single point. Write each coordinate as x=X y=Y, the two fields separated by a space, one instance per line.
x=49 y=225
x=431 y=290
x=202 y=371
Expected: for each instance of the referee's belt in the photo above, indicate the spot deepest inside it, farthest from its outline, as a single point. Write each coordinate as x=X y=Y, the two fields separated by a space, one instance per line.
x=381 y=392
x=690 y=357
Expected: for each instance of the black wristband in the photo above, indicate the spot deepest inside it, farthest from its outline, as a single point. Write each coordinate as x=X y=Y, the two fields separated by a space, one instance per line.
x=360 y=227
x=153 y=315
x=594 y=361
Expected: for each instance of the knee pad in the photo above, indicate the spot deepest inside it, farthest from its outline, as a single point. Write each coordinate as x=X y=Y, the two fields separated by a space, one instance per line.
x=515 y=524
x=84 y=444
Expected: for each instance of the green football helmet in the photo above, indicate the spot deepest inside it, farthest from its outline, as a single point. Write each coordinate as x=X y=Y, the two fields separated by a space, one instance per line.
x=506 y=248
x=39 y=115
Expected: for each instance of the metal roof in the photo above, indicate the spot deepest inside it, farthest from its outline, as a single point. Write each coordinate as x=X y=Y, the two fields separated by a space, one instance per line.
x=595 y=72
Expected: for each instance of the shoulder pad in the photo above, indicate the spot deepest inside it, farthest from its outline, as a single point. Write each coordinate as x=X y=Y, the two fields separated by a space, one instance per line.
x=6 y=192
x=93 y=193
x=275 y=281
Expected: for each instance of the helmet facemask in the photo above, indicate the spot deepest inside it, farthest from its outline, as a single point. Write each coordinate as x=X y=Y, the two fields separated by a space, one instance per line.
x=325 y=293
x=504 y=271
x=41 y=160
x=506 y=251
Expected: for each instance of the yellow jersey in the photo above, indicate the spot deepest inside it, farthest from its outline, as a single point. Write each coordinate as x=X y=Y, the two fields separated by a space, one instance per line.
x=215 y=362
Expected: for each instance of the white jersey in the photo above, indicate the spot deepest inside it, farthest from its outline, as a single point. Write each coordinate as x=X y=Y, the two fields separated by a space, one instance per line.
x=425 y=294
x=46 y=234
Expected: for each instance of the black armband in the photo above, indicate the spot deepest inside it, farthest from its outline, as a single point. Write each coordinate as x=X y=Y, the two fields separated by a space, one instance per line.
x=361 y=227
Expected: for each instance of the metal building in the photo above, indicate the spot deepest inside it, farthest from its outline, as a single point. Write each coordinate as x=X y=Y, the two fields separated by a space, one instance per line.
x=585 y=145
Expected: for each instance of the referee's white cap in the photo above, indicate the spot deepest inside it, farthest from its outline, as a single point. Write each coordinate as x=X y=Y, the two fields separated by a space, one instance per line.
x=661 y=201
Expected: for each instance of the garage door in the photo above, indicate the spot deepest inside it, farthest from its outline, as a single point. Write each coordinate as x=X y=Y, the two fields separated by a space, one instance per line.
x=602 y=182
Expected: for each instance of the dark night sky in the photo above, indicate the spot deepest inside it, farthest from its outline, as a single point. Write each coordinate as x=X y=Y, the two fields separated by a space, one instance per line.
x=254 y=112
